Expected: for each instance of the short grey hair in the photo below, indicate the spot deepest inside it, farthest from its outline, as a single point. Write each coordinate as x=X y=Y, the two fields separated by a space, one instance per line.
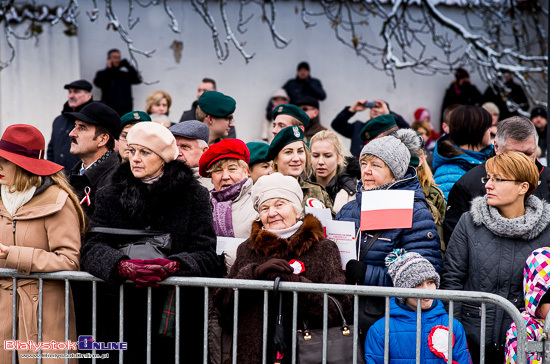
x=201 y=143
x=518 y=128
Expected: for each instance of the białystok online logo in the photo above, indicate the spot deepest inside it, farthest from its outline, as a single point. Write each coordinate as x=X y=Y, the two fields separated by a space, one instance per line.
x=84 y=343
x=88 y=343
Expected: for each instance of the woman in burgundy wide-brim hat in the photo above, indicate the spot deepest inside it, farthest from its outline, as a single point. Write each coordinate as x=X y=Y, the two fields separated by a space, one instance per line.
x=41 y=223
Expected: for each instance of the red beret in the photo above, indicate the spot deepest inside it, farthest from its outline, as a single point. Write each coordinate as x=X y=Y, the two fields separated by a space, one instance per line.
x=226 y=148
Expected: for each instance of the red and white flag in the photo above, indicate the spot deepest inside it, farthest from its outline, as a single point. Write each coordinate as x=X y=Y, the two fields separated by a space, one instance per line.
x=386 y=209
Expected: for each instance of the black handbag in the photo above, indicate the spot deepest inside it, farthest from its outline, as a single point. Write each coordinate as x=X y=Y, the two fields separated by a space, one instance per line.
x=151 y=245
x=339 y=342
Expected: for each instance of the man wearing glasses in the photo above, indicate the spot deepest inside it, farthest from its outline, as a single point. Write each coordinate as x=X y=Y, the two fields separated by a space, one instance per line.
x=516 y=133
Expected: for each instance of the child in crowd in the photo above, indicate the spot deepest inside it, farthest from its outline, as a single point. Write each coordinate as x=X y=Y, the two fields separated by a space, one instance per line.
x=537 y=303
x=411 y=270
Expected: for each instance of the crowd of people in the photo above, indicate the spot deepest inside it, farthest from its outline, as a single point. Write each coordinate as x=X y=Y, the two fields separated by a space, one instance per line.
x=127 y=195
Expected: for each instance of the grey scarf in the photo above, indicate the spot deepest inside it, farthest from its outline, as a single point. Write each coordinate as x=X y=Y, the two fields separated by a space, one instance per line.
x=527 y=226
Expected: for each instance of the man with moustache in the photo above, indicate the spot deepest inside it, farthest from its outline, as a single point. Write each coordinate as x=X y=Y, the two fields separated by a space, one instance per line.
x=93 y=141
x=79 y=96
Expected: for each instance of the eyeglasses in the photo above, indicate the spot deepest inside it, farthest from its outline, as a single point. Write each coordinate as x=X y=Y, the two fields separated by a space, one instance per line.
x=484 y=180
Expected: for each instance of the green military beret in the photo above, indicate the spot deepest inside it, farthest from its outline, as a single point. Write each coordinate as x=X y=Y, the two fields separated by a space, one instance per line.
x=258 y=152
x=288 y=135
x=216 y=104
x=133 y=117
x=292 y=110
x=377 y=126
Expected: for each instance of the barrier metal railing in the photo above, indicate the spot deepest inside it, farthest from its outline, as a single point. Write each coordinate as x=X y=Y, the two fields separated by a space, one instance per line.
x=523 y=346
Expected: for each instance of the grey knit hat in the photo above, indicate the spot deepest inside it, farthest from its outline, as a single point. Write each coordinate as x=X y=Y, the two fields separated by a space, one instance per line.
x=395 y=151
x=408 y=269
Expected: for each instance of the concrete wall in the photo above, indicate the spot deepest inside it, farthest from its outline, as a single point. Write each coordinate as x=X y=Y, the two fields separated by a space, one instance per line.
x=32 y=88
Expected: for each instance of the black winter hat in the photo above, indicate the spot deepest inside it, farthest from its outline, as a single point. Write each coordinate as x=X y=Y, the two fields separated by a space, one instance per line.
x=96 y=113
x=79 y=84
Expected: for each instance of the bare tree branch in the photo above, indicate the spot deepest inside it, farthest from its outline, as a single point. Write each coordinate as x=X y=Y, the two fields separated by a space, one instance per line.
x=494 y=37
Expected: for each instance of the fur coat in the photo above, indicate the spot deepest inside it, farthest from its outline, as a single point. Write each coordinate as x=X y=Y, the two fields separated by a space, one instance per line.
x=174 y=204
x=321 y=259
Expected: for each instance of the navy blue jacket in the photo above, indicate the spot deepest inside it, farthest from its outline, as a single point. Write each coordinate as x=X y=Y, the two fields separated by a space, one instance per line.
x=297 y=88
x=403 y=336
x=422 y=237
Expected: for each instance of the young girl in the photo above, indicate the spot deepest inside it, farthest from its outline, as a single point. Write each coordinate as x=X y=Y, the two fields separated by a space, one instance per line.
x=411 y=270
x=537 y=303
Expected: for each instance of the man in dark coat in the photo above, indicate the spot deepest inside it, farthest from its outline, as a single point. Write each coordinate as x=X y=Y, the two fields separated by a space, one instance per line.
x=354 y=130
x=116 y=84
x=93 y=141
x=59 y=146
x=304 y=85
x=516 y=133
x=461 y=92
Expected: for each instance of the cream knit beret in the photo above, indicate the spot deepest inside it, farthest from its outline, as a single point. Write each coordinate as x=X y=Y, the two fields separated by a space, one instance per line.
x=155 y=137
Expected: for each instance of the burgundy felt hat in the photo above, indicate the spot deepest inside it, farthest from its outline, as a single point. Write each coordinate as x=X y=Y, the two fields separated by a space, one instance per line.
x=226 y=148
x=24 y=146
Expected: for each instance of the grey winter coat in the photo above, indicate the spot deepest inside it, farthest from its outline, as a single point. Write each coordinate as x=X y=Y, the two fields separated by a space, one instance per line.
x=487 y=253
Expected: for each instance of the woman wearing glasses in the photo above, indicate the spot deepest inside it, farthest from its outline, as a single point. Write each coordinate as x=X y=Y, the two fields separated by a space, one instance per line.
x=490 y=244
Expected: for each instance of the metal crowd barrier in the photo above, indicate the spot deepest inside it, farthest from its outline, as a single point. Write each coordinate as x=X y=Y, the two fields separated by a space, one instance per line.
x=523 y=346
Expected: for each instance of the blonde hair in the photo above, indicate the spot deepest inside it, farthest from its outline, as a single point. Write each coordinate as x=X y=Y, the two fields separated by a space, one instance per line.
x=334 y=139
x=154 y=98
x=423 y=171
x=307 y=168
x=517 y=166
x=24 y=180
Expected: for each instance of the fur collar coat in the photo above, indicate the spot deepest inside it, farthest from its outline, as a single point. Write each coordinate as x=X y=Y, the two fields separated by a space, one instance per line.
x=175 y=204
x=321 y=259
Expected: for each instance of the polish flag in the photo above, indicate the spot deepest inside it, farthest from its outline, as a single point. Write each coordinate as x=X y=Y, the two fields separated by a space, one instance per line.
x=386 y=209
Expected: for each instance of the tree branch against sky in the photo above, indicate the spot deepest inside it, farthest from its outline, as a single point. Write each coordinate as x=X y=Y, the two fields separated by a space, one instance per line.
x=425 y=36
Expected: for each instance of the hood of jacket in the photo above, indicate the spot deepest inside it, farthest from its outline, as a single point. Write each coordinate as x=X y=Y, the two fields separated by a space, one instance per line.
x=447 y=152
x=526 y=227
x=409 y=182
x=265 y=243
x=535 y=279
x=144 y=202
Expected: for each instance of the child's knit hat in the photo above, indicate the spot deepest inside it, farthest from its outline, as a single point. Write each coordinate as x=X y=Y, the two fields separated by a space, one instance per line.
x=408 y=269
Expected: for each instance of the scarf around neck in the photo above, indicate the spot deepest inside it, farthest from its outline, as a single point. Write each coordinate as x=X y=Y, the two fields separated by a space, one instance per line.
x=288 y=232
x=528 y=226
x=14 y=200
x=222 y=201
